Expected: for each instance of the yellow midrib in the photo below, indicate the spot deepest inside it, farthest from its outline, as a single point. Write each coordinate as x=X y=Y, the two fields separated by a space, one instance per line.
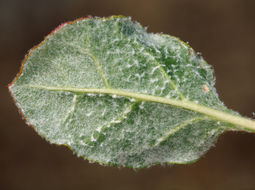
x=240 y=123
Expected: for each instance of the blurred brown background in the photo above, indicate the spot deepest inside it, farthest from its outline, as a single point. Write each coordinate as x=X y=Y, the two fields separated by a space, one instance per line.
x=223 y=30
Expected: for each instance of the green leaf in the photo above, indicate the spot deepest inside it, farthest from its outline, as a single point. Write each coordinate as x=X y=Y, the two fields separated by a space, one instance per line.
x=120 y=96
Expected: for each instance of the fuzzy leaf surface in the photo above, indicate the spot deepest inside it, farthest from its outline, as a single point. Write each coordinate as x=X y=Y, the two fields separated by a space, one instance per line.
x=118 y=95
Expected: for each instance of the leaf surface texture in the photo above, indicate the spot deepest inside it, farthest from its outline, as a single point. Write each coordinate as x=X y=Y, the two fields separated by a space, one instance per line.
x=96 y=85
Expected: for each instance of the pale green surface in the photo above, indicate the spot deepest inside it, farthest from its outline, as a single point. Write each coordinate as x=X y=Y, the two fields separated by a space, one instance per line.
x=117 y=53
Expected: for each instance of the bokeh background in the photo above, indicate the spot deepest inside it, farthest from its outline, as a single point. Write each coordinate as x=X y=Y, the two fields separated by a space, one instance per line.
x=223 y=30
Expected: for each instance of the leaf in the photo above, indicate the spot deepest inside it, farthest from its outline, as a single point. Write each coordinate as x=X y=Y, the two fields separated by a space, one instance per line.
x=120 y=96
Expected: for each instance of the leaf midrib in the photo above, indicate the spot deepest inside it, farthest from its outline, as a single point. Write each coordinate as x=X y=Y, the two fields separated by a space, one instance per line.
x=240 y=123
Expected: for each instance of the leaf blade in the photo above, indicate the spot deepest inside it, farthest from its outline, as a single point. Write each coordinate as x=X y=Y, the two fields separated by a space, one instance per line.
x=97 y=80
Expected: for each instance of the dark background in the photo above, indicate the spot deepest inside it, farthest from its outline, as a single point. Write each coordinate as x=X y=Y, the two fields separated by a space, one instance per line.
x=223 y=30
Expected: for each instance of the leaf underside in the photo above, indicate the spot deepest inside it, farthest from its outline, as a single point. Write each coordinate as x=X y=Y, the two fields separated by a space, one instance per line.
x=66 y=92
